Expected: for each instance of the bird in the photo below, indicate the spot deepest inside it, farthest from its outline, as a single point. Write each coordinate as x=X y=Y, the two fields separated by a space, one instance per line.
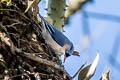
x=57 y=40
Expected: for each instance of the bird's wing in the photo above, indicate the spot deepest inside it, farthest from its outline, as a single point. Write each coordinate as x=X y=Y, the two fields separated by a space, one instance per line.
x=50 y=28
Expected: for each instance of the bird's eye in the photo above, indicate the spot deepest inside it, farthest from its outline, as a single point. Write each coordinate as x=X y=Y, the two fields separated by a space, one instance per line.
x=67 y=54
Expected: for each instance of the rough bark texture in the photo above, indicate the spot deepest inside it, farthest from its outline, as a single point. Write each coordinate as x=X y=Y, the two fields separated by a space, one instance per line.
x=56 y=10
x=23 y=52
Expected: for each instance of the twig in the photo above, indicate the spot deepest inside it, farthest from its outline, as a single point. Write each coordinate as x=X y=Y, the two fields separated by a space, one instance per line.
x=11 y=43
x=24 y=74
x=40 y=60
x=78 y=71
x=21 y=14
x=73 y=7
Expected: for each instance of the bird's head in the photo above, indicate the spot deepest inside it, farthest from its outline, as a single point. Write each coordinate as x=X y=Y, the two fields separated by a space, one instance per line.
x=67 y=54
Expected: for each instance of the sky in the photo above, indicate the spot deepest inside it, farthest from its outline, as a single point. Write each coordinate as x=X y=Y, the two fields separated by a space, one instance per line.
x=99 y=31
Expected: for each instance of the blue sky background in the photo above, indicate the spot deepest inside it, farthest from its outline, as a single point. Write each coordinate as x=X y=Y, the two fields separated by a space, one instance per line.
x=92 y=32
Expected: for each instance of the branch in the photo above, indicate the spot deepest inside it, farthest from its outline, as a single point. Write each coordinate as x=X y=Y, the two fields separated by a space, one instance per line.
x=73 y=7
x=56 y=10
x=78 y=71
x=11 y=10
x=38 y=59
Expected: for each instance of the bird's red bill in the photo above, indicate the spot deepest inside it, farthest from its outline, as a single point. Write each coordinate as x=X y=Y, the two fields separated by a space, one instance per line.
x=65 y=58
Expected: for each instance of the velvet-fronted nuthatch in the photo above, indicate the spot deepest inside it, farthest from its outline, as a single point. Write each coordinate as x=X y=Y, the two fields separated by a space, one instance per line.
x=57 y=40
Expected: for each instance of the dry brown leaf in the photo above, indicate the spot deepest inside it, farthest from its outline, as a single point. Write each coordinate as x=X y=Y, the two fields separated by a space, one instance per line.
x=35 y=10
x=34 y=4
x=87 y=72
x=105 y=76
x=83 y=73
